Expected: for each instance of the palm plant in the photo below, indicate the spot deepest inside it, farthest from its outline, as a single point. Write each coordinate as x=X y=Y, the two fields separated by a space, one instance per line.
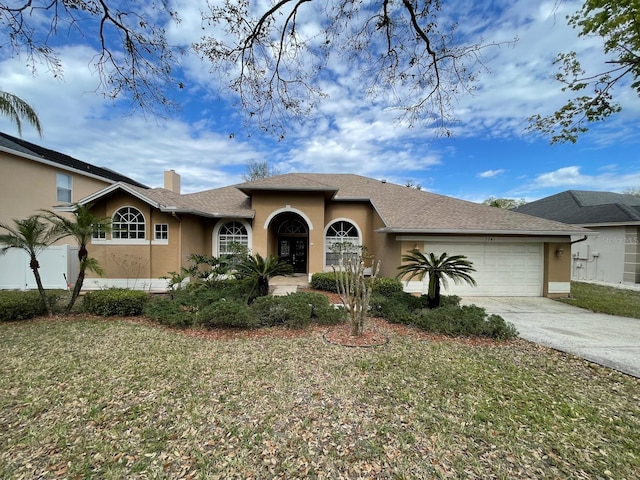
x=262 y=269
x=17 y=110
x=454 y=267
x=81 y=227
x=32 y=236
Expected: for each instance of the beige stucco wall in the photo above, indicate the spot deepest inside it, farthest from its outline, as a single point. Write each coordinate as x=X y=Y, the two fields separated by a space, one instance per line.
x=557 y=269
x=311 y=206
x=27 y=186
x=139 y=260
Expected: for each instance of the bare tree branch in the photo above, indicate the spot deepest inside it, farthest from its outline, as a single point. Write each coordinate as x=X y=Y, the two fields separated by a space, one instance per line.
x=403 y=56
x=134 y=59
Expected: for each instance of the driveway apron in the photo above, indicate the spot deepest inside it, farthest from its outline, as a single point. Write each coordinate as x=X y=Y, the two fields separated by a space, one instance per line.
x=607 y=340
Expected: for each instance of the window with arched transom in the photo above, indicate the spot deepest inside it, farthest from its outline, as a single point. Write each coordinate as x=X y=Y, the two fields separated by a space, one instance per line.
x=232 y=235
x=342 y=241
x=128 y=223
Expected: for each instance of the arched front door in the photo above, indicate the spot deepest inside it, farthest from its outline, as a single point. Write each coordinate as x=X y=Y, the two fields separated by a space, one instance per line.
x=293 y=240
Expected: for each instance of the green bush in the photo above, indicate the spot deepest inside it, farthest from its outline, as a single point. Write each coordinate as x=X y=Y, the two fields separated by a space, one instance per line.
x=22 y=305
x=465 y=321
x=297 y=310
x=168 y=311
x=322 y=311
x=324 y=281
x=227 y=313
x=19 y=305
x=291 y=311
x=120 y=302
x=387 y=287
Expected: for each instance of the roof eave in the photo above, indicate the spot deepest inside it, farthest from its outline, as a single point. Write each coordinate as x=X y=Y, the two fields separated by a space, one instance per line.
x=200 y=213
x=112 y=188
x=330 y=191
x=441 y=231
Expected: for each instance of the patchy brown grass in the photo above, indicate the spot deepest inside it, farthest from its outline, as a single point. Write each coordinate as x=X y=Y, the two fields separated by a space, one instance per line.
x=93 y=398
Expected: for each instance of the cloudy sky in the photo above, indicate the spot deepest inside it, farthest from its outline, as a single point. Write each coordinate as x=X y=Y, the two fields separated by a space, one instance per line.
x=489 y=153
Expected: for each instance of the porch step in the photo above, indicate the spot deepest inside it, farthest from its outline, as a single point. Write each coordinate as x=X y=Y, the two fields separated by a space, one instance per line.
x=282 y=290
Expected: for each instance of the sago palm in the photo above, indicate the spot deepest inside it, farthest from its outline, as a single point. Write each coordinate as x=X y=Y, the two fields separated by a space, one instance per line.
x=17 y=110
x=262 y=269
x=439 y=269
x=32 y=236
x=81 y=226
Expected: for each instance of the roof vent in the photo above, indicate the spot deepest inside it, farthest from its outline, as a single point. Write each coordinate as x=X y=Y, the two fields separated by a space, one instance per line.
x=384 y=180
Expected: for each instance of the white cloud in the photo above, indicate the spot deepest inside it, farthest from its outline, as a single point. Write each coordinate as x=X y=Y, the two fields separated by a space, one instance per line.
x=491 y=173
x=572 y=178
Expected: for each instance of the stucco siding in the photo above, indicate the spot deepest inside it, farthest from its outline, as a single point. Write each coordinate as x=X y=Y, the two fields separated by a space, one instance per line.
x=26 y=187
x=601 y=257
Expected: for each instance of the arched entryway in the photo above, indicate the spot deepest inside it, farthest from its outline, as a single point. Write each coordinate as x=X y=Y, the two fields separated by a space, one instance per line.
x=291 y=233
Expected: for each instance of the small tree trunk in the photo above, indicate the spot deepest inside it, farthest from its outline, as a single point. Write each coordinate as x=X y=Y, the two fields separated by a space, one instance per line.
x=434 y=291
x=35 y=266
x=263 y=286
x=76 y=290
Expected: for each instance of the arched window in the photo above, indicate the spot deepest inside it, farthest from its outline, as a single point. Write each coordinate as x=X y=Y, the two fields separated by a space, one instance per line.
x=232 y=234
x=292 y=226
x=342 y=241
x=128 y=222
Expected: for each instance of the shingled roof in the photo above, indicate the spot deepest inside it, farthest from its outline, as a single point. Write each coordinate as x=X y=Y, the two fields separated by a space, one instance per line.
x=7 y=142
x=402 y=209
x=405 y=209
x=583 y=207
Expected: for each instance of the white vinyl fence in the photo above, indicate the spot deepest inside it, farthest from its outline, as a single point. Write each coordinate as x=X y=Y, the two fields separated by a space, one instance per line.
x=55 y=262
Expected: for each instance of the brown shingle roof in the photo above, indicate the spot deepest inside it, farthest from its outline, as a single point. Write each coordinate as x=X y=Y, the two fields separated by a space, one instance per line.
x=402 y=209
x=405 y=209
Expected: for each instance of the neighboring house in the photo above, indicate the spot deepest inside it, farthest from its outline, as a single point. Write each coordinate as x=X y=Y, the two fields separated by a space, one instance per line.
x=35 y=178
x=300 y=216
x=612 y=252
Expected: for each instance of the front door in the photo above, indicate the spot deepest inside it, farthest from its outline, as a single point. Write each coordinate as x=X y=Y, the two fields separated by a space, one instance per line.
x=293 y=250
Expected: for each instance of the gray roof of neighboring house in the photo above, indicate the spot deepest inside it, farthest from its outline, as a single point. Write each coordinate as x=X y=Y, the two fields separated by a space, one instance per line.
x=23 y=147
x=402 y=209
x=583 y=207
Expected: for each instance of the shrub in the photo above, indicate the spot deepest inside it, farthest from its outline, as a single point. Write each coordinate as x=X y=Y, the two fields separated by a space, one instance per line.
x=115 y=302
x=322 y=311
x=387 y=287
x=22 y=305
x=168 y=311
x=291 y=311
x=17 y=305
x=227 y=313
x=324 y=281
x=297 y=310
x=467 y=321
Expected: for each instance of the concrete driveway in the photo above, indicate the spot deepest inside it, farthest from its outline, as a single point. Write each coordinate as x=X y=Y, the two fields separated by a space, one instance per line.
x=603 y=339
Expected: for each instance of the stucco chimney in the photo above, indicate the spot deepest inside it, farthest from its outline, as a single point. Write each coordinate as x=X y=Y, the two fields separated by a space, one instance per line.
x=172 y=181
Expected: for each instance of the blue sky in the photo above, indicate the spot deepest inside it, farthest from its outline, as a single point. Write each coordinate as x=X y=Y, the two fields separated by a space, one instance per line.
x=488 y=155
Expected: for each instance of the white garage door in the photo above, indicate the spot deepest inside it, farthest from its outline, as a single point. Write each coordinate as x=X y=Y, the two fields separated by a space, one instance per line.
x=502 y=269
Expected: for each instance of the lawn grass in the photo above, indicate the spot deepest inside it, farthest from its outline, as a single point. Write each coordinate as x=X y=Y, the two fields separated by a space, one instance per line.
x=112 y=399
x=605 y=299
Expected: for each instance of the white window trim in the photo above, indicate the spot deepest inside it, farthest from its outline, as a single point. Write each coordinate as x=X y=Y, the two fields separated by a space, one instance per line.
x=215 y=247
x=70 y=177
x=160 y=241
x=324 y=237
x=129 y=241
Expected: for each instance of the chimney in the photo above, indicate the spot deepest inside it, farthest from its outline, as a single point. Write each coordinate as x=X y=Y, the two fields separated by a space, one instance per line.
x=172 y=181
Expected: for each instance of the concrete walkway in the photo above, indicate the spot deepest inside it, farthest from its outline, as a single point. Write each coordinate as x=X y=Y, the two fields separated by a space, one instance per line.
x=284 y=285
x=607 y=340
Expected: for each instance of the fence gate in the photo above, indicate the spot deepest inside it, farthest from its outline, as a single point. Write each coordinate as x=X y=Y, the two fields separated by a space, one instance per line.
x=55 y=262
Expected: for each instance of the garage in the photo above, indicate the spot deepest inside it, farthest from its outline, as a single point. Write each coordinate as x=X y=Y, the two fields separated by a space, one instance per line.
x=502 y=268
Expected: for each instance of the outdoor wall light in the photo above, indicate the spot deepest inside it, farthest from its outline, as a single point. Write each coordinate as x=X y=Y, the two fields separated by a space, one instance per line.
x=559 y=252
